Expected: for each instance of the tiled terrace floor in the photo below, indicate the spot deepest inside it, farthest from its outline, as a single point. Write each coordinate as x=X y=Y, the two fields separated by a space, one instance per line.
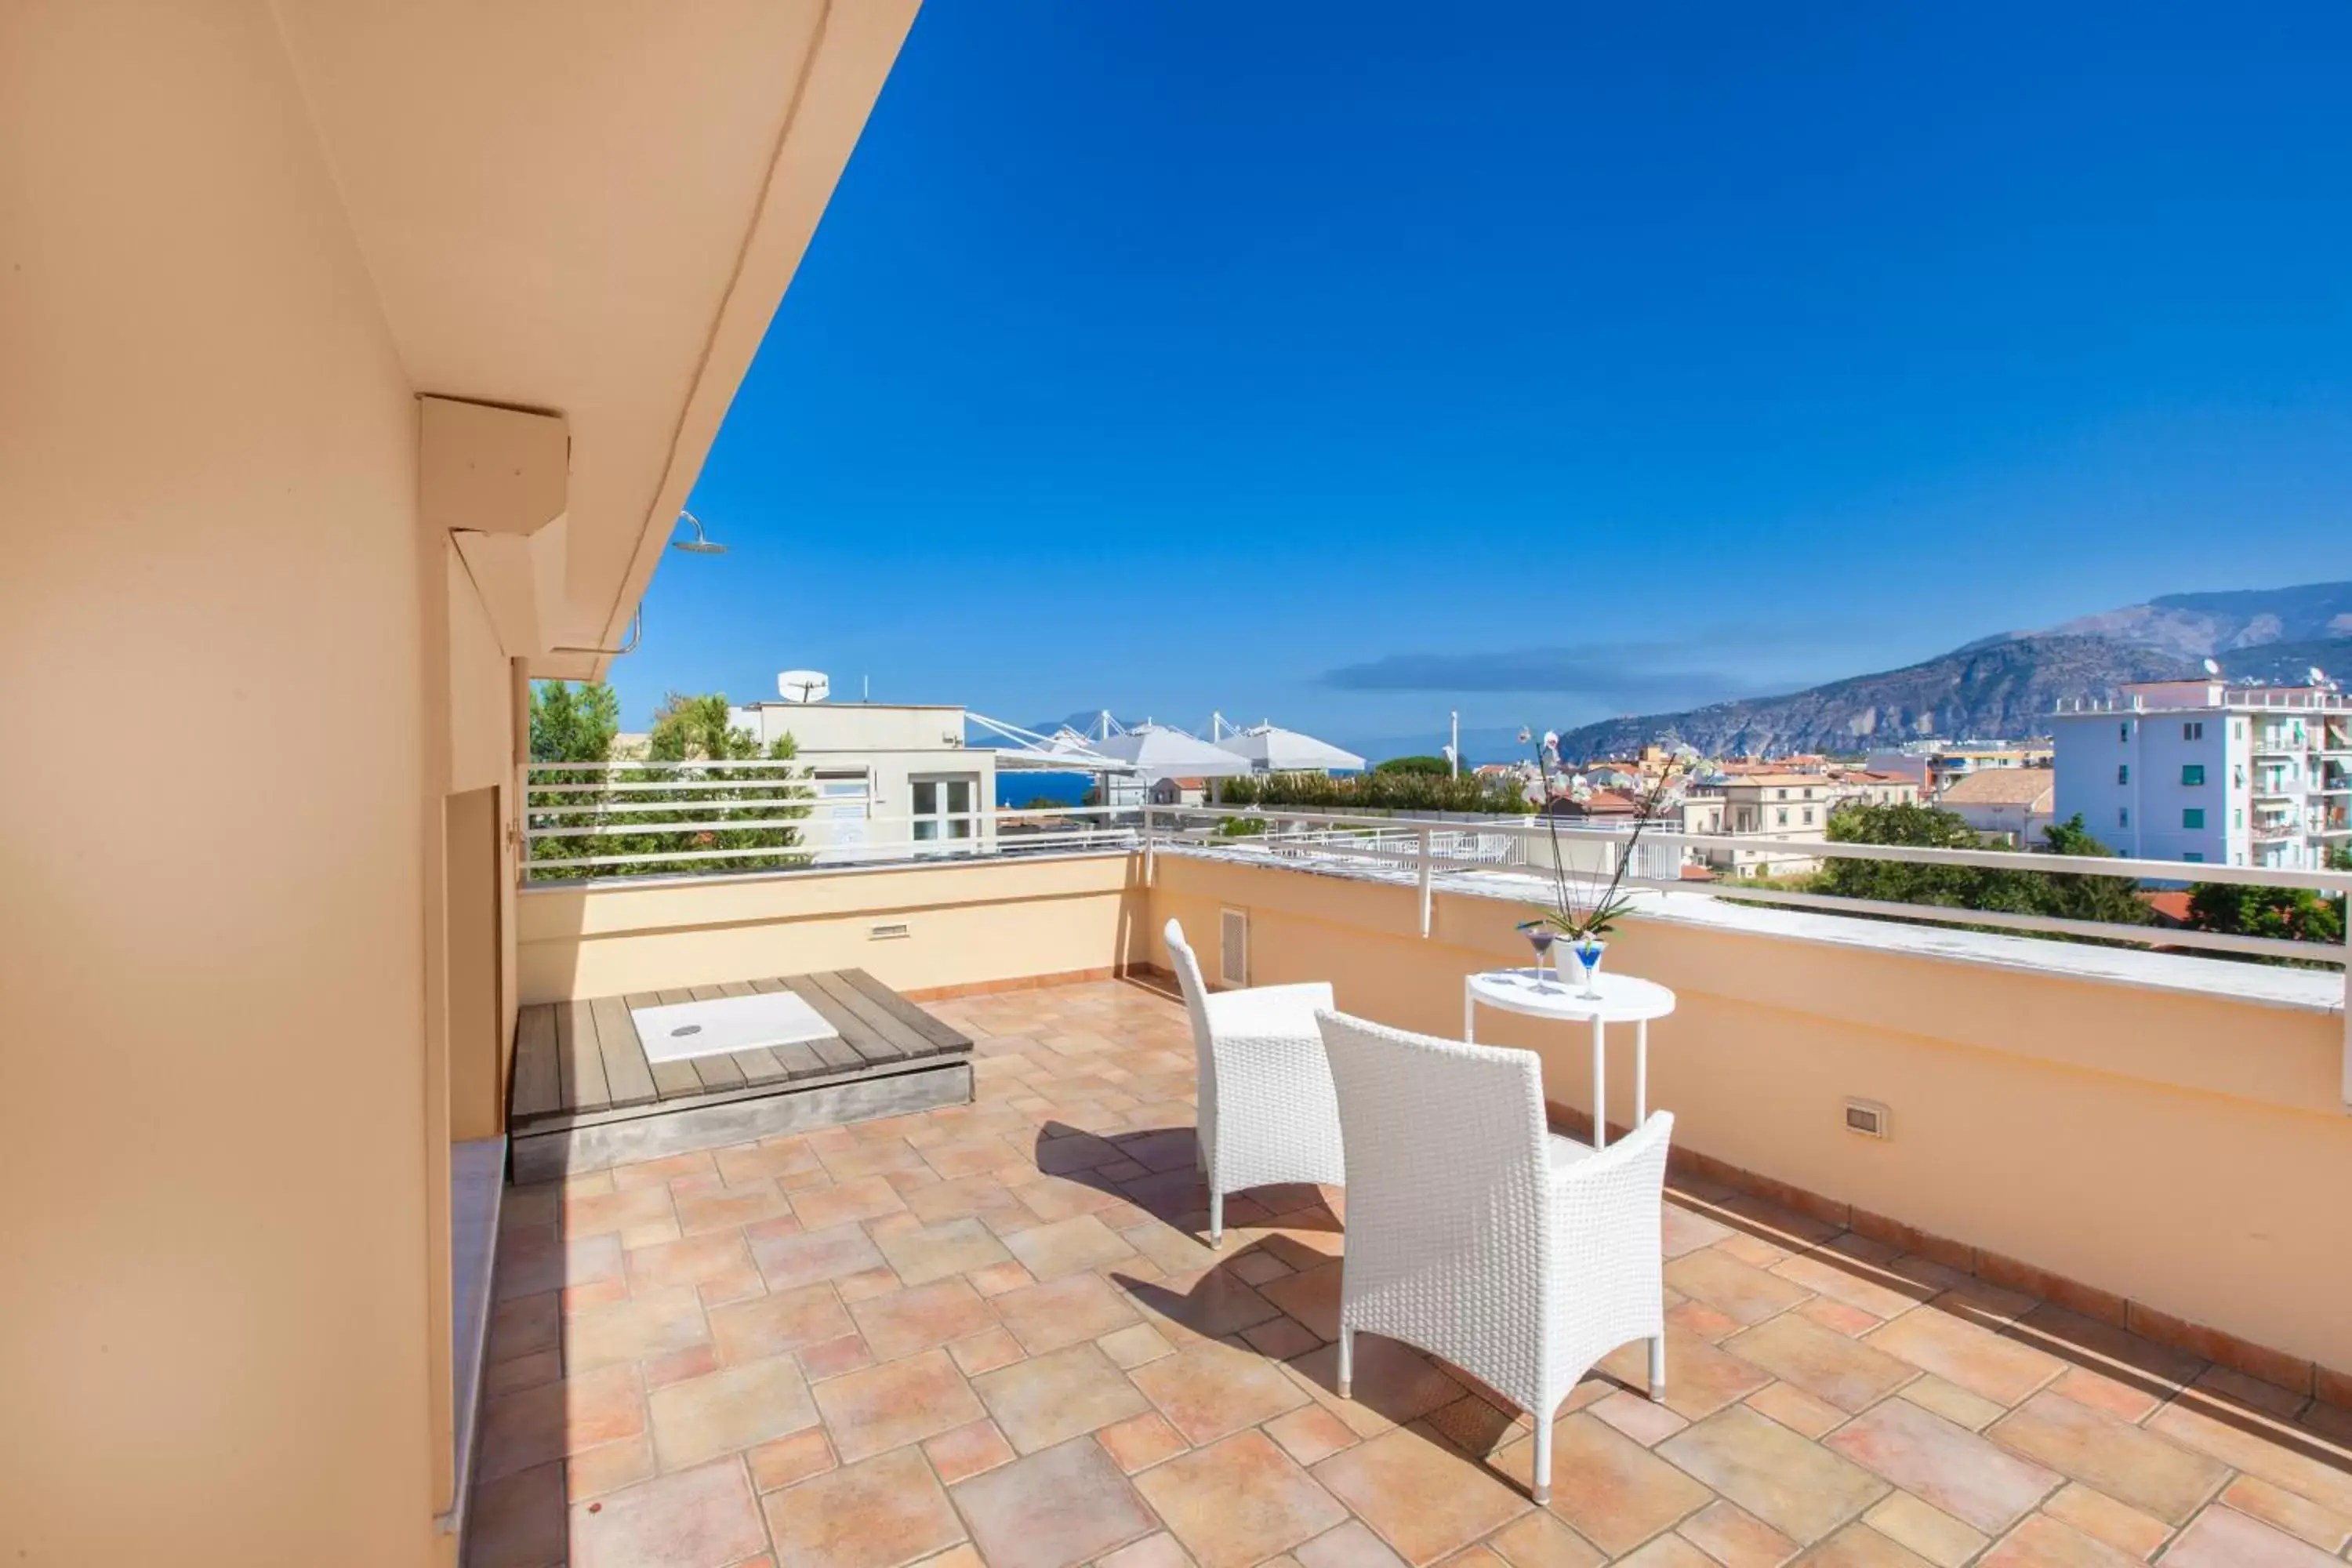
x=988 y=1335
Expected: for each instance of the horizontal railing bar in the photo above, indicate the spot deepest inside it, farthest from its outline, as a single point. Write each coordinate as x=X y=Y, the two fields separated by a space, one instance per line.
x=800 y=850
x=614 y=822
x=806 y=787
x=603 y=829
x=838 y=850
x=912 y=850
x=631 y=808
x=1939 y=914
x=813 y=813
x=1999 y=859
x=1947 y=914
x=634 y=765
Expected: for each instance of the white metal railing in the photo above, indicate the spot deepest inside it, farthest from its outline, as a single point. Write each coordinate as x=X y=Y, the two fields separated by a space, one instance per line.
x=634 y=819
x=1423 y=863
x=1402 y=848
x=678 y=819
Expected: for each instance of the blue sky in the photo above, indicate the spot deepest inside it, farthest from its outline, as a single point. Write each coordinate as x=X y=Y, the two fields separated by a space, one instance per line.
x=1347 y=364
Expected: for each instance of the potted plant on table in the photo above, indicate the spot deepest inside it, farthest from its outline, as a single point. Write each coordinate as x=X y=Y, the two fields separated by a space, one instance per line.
x=1583 y=907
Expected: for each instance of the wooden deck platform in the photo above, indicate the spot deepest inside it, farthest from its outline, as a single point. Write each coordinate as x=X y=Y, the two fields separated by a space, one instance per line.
x=585 y=1097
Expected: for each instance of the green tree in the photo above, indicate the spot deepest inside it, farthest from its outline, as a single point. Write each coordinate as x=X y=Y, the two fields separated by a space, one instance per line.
x=2113 y=899
x=2059 y=894
x=2289 y=914
x=573 y=723
x=1897 y=881
x=697 y=729
x=1436 y=767
x=640 y=811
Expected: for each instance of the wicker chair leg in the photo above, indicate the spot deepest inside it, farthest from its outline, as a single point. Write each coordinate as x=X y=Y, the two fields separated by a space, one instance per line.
x=1658 y=1369
x=1216 y=1219
x=1543 y=1458
x=1346 y=1360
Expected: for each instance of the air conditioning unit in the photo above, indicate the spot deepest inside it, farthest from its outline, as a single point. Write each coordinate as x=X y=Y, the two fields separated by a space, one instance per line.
x=1232 y=948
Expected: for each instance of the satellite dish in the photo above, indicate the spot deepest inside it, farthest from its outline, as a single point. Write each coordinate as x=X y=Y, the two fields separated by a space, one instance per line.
x=804 y=685
x=2213 y=667
x=2318 y=676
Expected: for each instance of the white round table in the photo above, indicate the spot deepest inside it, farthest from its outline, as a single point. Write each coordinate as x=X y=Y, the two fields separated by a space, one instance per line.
x=1540 y=993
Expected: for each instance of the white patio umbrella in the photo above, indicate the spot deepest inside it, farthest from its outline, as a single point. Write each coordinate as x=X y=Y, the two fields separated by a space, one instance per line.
x=1159 y=752
x=1271 y=748
x=1064 y=751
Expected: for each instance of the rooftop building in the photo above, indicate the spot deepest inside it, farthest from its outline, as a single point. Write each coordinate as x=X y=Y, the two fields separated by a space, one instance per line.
x=2013 y=804
x=2206 y=772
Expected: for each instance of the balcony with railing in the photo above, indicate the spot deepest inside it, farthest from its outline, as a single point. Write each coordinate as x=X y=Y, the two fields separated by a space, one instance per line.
x=2081 y=1304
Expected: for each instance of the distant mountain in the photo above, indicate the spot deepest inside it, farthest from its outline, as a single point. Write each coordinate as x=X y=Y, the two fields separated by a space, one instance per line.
x=2007 y=688
x=2008 y=685
x=2291 y=661
x=2200 y=626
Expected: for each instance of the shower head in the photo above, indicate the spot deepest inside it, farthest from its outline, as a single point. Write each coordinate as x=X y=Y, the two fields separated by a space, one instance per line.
x=698 y=545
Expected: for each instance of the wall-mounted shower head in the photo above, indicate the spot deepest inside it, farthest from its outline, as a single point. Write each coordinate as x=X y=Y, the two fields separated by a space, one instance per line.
x=698 y=545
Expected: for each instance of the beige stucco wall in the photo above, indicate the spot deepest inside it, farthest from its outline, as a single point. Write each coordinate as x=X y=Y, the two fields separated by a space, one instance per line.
x=972 y=923
x=2187 y=1151
x=2184 y=1151
x=213 y=1127
x=483 y=751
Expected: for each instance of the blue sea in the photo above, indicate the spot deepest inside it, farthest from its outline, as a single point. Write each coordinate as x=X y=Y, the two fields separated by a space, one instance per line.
x=1063 y=789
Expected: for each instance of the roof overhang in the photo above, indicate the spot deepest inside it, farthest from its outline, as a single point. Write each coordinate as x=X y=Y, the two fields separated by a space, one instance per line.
x=591 y=211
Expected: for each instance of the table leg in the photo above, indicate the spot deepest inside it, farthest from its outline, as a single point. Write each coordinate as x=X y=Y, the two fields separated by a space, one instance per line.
x=1469 y=1014
x=1599 y=1088
x=1640 y=1071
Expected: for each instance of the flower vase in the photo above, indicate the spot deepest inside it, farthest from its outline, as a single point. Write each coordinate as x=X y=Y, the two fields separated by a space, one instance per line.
x=1588 y=951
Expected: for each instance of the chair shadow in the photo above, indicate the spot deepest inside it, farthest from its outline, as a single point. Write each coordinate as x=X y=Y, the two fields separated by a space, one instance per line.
x=1154 y=1169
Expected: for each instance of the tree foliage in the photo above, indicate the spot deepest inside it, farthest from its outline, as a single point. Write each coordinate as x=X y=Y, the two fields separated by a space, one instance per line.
x=1376 y=792
x=2061 y=895
x=1434 y=767
x=685 y=752
x=573 y=723
x=2289 y=914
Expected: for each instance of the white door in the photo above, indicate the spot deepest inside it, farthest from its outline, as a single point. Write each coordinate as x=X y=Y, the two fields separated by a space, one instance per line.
x=844 y=805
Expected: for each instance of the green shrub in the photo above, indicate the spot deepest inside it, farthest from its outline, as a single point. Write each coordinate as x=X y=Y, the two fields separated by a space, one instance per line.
x=1377 y=791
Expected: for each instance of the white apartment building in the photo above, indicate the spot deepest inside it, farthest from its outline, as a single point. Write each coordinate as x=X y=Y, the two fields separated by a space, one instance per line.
x=1780 y=812
x=2202 y=771
x=885 y=774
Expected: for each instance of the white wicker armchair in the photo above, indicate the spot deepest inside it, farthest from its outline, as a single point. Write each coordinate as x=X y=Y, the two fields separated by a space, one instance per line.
x=1481 y=1237
x=1266 y=1111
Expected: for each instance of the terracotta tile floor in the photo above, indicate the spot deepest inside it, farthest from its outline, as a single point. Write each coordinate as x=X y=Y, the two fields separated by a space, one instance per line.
x=990 y=1335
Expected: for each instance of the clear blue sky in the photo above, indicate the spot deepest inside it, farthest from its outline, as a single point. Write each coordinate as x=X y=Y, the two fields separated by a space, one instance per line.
x=1348 y=363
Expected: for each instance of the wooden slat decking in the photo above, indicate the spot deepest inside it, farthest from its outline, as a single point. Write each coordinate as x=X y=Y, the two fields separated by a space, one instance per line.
x=582 y=1063
x=582 y=1059
x=628 y=1078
